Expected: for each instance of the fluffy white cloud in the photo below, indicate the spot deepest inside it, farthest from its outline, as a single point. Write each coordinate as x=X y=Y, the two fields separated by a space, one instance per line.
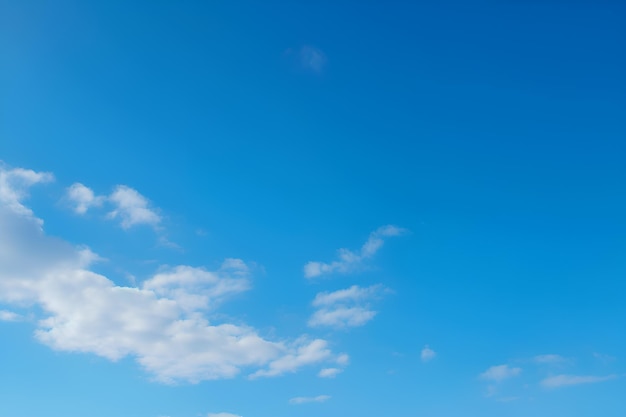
x=161 y=323
x=567 y=380
x=500 y=373
x=303 y=400
x=196 y=288
x=329 y=372
x=83 y=198
x=132 y=208
x=345 y=308
x=350 y=261
x=14 y=185
x=222 y=415
x=427 y=354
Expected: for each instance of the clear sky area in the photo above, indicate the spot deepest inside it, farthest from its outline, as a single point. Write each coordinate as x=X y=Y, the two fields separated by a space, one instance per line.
x=312 y=208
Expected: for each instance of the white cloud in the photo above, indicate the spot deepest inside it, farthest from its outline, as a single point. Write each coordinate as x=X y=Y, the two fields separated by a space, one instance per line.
x=14 y=185
x=305 y=353
x=500 y=373
x=83 y=198
x=427 y=354
x=196 y=288
x=568 y=380
x=160 y=324
x=343 y=359
x=329 y=372
x=304 y=400
x=132 y=208
x=341 y=317
x=344 y=308
x=350 y=261
x=549 y=359
x=9 y=316
x=223 y=415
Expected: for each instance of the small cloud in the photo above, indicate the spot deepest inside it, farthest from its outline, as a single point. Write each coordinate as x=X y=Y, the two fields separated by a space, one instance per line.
x=343 y=359
x=500 y=373
x=312 y=59
x=568 y=380
x=350 y=261
x=132 y=208
x=306 y=353
x=83 y=198
x=9 y=316
x=304 y=400
x=329 y=372
x=427 y=354
x=345 y=308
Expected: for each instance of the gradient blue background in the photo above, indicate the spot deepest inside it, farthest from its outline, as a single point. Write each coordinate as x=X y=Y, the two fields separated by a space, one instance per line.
x=494 y=131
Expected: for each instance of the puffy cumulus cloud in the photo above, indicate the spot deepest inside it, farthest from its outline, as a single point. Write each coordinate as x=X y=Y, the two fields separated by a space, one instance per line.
x=559 y=381
x=350 y=261
x=427 y=354
x=500 y=373
x=304 y=400
x=160 y=323
x=345 y=308
x=83 y=198
x=14 y=185
x=132 y=208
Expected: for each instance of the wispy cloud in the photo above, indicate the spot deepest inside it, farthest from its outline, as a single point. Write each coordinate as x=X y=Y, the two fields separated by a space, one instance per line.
x=312 y=58
x=304 y=400
x=427 y=354
x=604 y=357
x=350 y=261
x=9 y=316
x=345 y=308
x=549 y=359
x=559 y=381
x=329 y=372
x=223 y=415
x=500 y=373
x=304 y=353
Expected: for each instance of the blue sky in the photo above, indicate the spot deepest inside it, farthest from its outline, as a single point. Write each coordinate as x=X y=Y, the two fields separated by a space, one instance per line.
x=224 y=209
